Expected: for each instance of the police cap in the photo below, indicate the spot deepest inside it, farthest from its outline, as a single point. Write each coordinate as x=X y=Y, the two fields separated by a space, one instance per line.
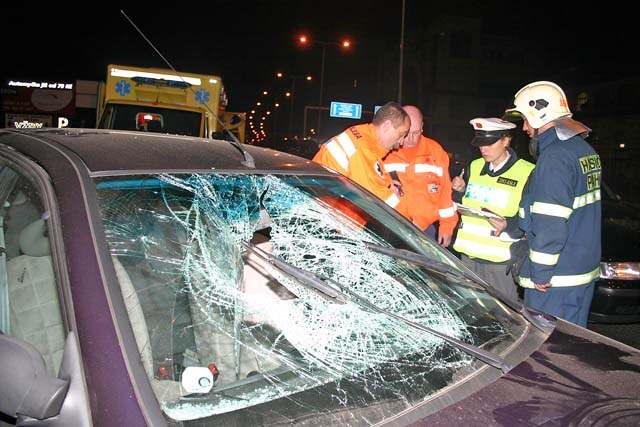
x=490 y=130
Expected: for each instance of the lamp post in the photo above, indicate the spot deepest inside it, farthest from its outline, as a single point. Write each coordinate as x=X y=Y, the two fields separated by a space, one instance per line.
x=305 y=40
x=291 y=94
x=401 y=55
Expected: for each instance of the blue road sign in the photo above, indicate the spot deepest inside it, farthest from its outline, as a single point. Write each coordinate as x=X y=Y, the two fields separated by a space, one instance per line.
x=345 y=110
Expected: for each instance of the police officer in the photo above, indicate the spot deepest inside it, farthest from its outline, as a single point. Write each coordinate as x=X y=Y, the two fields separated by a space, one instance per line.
x=494 y=182
x=561 y=209
x=357 y=152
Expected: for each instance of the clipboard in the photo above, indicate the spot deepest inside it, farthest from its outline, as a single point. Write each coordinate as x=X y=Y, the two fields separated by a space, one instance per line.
x=478 y=213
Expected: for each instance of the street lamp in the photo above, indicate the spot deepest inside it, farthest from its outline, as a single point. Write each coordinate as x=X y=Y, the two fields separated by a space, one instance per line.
x=305 y=40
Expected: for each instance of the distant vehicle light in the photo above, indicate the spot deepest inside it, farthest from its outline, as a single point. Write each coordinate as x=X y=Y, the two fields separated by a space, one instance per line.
x=620 y=270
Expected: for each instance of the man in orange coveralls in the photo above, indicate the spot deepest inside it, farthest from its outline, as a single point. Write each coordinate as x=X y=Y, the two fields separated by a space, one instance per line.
x=357 y=152
x=422 y=168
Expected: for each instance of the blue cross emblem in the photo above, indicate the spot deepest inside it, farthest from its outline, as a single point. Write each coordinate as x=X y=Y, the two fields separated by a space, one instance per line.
x=202 y=96
x=123 y=88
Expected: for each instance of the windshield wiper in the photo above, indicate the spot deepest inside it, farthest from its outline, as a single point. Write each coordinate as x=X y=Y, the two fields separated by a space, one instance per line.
x=442 y=269
x=432 y=265
x=332 y=290
x=308 y=279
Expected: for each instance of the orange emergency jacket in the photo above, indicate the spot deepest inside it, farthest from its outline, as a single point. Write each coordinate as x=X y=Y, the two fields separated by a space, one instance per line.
x=423 y=171
x=356 y=154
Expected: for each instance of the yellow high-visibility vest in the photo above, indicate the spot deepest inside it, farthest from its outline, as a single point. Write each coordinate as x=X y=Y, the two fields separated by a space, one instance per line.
x=500 y=194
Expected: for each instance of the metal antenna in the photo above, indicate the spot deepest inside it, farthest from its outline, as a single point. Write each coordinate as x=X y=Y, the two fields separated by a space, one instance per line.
x=248 y=159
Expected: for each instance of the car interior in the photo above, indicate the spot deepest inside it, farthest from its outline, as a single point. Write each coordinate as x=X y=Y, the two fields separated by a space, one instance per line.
x=172 y=330
x=157 y=309
x=29 y=292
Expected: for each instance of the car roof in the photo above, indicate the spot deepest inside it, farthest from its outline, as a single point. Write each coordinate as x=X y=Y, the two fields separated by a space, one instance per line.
x=104 y=151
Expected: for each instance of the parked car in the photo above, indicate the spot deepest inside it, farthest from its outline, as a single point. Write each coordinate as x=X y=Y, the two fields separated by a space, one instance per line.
x=617 y=294
x=160 y=280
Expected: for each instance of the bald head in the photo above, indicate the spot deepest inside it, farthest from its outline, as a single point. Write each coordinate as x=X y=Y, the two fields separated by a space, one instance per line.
x=415 y=131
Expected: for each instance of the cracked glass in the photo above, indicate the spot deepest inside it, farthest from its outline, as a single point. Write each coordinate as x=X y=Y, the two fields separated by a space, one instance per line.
x=222 y=333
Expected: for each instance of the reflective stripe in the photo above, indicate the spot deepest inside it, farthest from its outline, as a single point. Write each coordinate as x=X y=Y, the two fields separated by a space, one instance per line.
x=477 y=229
x=396 y=167
x=505 y=237
x=392 y=200
x=338 y=154
x=426 y=167
x=447 y=213
x=346 y=144
x=551 y=209
x=521 y=212
x=586 y=199
x=478 y=248
x=542 y=258
x=561 y=281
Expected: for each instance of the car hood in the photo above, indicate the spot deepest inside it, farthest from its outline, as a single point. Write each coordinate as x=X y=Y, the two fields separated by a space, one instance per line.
x=577 y=377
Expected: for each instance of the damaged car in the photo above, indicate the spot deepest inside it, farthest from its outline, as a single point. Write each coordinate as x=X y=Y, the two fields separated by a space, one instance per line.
x=159 y=280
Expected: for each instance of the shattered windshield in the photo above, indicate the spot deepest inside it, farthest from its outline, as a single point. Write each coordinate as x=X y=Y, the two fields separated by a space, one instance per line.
x=223 y=333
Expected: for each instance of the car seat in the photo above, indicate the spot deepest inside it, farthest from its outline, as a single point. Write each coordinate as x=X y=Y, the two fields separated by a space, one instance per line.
x=35 y=313
x=165 y=390
x=219 y=330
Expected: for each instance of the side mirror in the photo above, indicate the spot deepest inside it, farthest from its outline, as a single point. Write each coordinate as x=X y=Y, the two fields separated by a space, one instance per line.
x=27 y=388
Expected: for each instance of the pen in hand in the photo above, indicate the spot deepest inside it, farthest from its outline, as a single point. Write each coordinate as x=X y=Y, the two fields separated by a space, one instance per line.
x=458 y=183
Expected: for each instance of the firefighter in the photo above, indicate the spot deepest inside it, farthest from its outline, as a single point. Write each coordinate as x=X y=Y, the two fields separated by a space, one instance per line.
x=561 y=211
x=494 y=182
x=357 y=152
x=421 y=169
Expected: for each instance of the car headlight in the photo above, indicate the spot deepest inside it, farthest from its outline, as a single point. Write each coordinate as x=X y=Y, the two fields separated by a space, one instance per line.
x=620 y=270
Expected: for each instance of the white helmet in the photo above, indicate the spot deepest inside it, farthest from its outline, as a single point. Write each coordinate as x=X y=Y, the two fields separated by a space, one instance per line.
x=540 y=103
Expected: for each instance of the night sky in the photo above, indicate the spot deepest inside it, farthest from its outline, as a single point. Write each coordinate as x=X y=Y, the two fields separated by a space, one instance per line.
x=246 y=42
